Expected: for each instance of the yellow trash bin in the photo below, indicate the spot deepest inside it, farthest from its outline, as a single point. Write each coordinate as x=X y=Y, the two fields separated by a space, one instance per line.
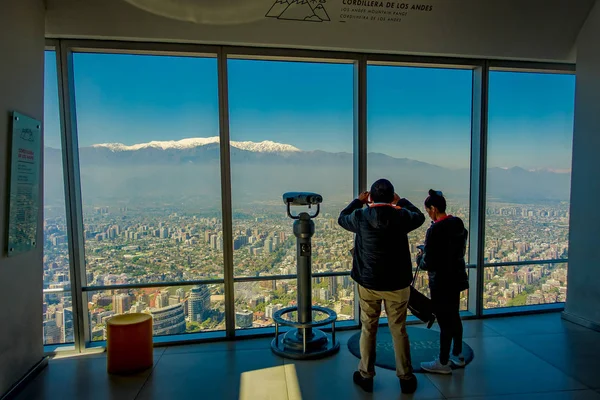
x=129 y=343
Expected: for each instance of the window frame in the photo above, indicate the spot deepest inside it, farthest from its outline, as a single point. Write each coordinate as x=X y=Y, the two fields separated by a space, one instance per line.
x=480 y=67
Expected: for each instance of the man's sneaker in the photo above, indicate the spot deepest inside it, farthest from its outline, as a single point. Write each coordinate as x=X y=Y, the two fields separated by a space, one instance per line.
x=436 y=367
x=458 y=361
x=366 y=384
x=408 y=384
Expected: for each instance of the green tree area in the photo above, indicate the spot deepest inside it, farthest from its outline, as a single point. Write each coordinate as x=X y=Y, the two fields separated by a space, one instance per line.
x=192 y=327
x=279 y=297
x=347 y=310
x=207 y=324
x=521 y=299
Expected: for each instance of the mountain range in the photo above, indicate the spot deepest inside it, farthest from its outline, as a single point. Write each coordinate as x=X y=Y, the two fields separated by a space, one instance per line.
x=189 y=170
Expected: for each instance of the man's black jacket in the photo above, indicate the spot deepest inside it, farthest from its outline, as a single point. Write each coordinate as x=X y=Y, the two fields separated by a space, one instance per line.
x=381 y=258
x=444 y=255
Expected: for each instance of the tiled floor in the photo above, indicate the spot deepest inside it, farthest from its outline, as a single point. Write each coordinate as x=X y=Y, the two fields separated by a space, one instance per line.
x=533 y=357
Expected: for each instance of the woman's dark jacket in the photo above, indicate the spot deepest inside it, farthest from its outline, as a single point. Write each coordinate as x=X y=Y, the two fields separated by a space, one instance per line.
x=444 y=255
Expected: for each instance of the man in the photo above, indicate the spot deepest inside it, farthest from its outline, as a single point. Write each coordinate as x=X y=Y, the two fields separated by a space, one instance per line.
x=382 y=267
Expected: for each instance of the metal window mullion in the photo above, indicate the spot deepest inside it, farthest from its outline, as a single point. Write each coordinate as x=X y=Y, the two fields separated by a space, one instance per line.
x=360 y=126
x=360 y=144
x=477 y=205
x=227 y=216
x=72 y=182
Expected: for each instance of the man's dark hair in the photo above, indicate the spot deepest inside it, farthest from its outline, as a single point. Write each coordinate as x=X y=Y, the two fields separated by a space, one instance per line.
x=382 y=191
x=436 y=199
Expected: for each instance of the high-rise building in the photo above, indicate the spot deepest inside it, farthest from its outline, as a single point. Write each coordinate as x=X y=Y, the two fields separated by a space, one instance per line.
x=164 y=233
x=198 y=302
x=162 y=299
x=324 y=294
x=268 y=246
x=181 y=293
x=121 y=303
x=52 y=333
x=168 y=320
x=271 y=309
x=333 y=284
x=67 y=326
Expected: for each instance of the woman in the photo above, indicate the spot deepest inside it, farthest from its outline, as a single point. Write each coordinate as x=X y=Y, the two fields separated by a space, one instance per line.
x=443 y=257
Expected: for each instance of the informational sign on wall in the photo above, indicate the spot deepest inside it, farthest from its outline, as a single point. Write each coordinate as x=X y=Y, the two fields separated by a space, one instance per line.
x=24 y=184
x=346 y=10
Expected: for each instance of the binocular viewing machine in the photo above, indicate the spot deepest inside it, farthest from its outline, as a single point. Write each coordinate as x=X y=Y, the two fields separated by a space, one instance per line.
x=304 y=341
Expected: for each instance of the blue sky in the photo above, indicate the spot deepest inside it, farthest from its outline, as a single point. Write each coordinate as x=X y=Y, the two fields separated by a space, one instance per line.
x=418 y=113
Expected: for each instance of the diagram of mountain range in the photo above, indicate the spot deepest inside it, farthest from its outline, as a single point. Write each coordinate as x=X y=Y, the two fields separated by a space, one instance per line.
x=299 y=10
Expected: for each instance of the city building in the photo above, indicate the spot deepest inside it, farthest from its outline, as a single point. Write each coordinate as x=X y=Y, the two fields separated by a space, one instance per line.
x=243 y=319
x=169 y=320
x=198 y=303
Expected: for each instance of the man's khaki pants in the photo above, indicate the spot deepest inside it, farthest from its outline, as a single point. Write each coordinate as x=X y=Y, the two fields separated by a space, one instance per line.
x=396 y=304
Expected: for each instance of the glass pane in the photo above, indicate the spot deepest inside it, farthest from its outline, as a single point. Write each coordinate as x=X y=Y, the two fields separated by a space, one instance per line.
x=58 y=325
x=529 y=166
x=58 y=317
x=422 y=285
x=419 y=137
x=291 y=130
x=150 y=170
x=524 y=286
x=255 y=302
x=175 y=309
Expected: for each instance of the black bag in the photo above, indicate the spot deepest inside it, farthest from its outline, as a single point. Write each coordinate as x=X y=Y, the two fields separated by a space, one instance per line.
x=420 y=305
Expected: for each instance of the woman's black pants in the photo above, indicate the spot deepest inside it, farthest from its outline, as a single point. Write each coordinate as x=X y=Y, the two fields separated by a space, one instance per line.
x=446 y=305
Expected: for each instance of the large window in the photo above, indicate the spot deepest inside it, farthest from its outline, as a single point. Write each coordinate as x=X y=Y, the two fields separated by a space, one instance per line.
x=150 y=179
x=291 y=129
x=419 y=137
x=57 y=306
x=528 y=185
x=148 y=130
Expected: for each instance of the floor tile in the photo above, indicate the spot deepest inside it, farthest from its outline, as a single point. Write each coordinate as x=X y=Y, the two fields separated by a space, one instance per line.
x=213 y=375
x=291 y=380
x=332 y=378
x=101 y=353
x=501 y=367
x=575 y=353
x=473 y=328
x=82 y=379
x=532 y=324
x=568 y=395
x=267 y=383
x=240 y=345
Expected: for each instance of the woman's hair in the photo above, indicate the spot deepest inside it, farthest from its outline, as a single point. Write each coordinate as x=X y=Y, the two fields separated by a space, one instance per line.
x=436 y=199
x=382 y=191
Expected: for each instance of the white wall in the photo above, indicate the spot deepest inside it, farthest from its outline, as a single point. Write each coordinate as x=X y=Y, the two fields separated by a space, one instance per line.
x=509 y=29
x=21 y=89
x=583 y=297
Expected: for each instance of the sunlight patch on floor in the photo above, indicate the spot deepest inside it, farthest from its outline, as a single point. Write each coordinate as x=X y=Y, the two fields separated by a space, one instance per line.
x=276 y=383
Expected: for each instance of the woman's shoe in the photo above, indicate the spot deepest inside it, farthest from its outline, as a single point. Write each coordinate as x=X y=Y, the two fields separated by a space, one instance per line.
x=458 y=361
x=437 y=367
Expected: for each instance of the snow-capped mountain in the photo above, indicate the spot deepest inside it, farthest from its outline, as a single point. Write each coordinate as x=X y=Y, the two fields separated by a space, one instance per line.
x=265 y=146
x=191 y=167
